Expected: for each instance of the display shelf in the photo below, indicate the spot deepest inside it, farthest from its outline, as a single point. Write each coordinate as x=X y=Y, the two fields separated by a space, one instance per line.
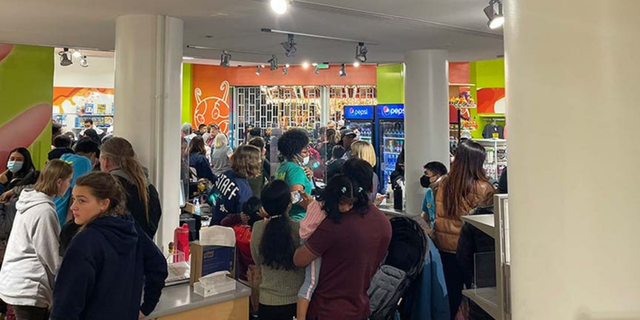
x=492 y=115
x=392 y=138
x=462 y=85
x=94 y=115
x=389 y=152
x=484 y=222
x=486 y=298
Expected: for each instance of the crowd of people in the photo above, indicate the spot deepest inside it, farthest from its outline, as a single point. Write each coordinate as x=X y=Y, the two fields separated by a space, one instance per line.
x=309 y=242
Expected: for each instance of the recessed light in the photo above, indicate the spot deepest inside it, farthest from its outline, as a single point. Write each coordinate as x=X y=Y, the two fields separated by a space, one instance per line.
x=305 y=65
x=356 y=64
x=280 y=6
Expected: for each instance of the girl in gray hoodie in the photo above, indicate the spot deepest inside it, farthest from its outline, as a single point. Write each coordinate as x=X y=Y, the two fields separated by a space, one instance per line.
x=32 y=257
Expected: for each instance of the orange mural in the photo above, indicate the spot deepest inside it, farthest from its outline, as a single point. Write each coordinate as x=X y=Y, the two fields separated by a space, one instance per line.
x=491 y=100
x=66 y=94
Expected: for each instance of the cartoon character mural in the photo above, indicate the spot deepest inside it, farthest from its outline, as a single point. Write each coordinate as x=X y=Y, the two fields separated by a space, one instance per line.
x=212 y=109
x=26 y=93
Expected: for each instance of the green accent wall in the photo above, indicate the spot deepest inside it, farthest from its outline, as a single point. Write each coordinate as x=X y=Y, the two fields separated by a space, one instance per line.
x=485 y=74
x=187 y=80
x=26 y=90
x=390 y=83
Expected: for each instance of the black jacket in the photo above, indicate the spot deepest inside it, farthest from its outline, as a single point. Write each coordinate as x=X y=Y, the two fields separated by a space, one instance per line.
x=137 y=208
x=104 y=271
x=472 y=240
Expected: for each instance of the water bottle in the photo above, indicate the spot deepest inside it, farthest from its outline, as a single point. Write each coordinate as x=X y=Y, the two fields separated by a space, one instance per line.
x=196 y=203
x=181 y=240
x=397 y=197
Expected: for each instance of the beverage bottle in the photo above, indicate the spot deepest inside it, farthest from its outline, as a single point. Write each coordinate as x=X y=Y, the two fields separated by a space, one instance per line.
x=181 y=240
x=196 y=203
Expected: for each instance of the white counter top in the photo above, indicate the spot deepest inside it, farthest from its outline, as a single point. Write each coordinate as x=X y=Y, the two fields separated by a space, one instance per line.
x=181 y=298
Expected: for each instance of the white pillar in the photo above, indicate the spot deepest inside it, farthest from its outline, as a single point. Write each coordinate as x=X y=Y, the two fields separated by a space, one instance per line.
x=574 y=208
x=426 y=120
x=148 y=97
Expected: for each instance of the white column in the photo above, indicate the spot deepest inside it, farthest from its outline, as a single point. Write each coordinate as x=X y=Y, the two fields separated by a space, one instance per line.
x=571 y=72
x=148 y=98
x=426 y=120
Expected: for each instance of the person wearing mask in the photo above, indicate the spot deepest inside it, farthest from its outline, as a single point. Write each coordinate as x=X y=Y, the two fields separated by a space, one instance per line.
x=230 y=189
x=465 y=188
x=365 y=151
x=19 y=165
x=334 y=166
x=62 y=145
x=293 y=147
x=32 y=257
x=198 y=159
x=111 y=262
x=258 y=183
x=352 y=246
x=91 y=150
x=348 y=137
x=118 y=158
x=221 y=155
x=88 y=124
x=273 y=243
x=211 y=135
x=187 y=132
x=434 y=173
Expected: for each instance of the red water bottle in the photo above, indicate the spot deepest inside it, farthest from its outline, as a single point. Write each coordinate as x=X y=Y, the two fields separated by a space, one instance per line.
x=181 y=240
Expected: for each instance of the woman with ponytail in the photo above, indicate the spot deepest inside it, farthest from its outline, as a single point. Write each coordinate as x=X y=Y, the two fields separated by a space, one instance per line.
x=118 y=158
x=352 y=243
x=273 y=243
x=110 y=261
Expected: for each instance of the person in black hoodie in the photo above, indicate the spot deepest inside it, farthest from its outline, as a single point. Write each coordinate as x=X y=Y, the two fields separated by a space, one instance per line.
x=118 y=158
x=109 y=261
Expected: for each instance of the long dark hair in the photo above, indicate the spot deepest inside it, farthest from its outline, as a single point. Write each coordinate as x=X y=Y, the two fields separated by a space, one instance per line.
x=461 y=182
x=340 y=189
x=27 y=166
x=277 y=246
x=197 y=146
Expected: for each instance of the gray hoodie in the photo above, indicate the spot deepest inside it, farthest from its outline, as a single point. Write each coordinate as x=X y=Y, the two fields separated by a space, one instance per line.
x=32 y=257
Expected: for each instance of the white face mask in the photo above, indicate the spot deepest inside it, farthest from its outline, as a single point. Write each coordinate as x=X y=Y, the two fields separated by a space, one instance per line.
x=305 y=161
x=14 y=166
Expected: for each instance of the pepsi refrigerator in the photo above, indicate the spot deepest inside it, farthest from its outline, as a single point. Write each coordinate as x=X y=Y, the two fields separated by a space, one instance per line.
x=390 y=139
x=363 y=118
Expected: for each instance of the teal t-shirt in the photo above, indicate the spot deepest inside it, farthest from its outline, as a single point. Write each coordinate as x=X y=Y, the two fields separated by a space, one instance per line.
x=293 y=174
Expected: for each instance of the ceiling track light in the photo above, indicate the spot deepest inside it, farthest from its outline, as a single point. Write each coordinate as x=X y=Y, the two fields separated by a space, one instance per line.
x=289 y=46
x=343 y=71
x=361 y=52
x=280 y=6
x=496 y=18
x=225 y=58
x=317 y=36
x=285 y=70
x=317 y=69
x=273 y=63
x=83 y=62
x=65 y=59
x=258 y=71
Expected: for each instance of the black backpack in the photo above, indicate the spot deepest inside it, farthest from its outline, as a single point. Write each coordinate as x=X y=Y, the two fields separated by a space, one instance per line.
x=404 y=262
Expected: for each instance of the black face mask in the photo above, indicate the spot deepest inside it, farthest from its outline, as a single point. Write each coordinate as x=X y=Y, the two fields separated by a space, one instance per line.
x=425 y=181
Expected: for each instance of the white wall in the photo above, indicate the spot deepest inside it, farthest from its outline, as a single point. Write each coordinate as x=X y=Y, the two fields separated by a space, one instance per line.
x=99 y=74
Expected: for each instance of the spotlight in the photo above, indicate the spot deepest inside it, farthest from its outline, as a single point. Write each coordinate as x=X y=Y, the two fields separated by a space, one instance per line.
x=262 y=66
x=317 y=70
x=280 y=6
x=258 y=70
x=225 y=57
x=356 y=64
x=361 y=52
x=496 y=19
x=273 y=63
x=77 y=54
x=287 y=65
x=285 y=70
x=305 y=65
x=343 y=72
x=83 y=62
x=289 y=46
x=65 y=60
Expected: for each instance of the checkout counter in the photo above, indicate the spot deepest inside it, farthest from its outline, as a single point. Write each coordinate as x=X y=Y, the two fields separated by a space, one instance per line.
x=179 y=302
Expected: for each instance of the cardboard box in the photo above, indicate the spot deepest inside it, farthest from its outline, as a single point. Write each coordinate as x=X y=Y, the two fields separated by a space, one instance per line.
x=209 y=259
x=190 y=208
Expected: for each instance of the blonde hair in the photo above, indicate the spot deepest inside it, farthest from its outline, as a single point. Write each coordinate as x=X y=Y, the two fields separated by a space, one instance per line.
x=121 y=153
x=220 y=141
x=365 y=151
x=53 y=171
x=247 y=161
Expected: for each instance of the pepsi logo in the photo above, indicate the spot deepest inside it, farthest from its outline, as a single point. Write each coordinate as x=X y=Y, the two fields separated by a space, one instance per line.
x=393 y=111
x=351 y=110
x=385 y=110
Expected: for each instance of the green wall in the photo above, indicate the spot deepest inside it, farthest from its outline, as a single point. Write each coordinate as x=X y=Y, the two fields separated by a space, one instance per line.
x=26 y=94
x=485 y=74
x=187 y=79
x=390 y=83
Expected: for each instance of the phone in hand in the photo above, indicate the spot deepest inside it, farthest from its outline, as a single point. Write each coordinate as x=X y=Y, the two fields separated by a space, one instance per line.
x=296 y=197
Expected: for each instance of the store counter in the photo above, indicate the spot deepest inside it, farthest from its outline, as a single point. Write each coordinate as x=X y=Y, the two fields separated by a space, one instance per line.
x=391 y=212
x=180 y=302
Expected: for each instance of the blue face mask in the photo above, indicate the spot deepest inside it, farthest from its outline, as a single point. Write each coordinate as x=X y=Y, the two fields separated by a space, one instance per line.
x=14 y=166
